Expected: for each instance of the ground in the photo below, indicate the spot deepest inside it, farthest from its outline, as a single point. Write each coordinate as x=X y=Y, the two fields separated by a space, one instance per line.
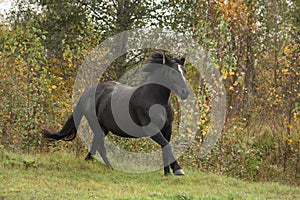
x=62 y=175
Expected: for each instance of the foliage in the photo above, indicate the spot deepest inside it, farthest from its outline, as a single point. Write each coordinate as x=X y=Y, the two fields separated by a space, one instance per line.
x=23 y=87
x=35 y=82
x=257 y=51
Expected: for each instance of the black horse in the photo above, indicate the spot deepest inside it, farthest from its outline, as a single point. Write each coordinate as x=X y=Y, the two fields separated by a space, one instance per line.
x=104 y=106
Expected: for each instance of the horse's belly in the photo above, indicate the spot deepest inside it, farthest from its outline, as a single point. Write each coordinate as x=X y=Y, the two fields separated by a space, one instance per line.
x=107 y=121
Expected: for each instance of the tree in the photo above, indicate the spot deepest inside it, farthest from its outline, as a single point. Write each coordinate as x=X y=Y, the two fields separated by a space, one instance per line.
x=117 y=16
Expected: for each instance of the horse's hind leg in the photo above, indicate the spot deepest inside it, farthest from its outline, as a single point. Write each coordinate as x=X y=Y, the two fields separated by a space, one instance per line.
x=94 y=145
x=98 y=140
x=93 y=148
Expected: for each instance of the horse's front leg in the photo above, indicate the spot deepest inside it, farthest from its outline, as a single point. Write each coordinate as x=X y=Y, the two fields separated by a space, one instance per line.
x=167 y=170
x=167 y=132
x=168 y=156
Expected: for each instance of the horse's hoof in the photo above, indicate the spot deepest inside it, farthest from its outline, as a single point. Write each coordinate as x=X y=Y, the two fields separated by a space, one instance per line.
x=179 y=172
x=89 y=157
x=109 y=167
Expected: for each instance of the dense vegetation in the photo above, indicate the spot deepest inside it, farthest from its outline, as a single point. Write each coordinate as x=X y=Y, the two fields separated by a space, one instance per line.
x=255 y=44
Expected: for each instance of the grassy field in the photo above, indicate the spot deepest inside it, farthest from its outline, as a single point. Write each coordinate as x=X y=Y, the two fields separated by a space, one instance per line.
x=61 y=175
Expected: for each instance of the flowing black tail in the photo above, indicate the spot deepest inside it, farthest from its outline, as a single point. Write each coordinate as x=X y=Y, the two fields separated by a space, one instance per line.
x=69 y=131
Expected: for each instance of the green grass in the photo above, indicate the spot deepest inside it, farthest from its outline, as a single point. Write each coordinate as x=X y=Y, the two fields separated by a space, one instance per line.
x=61 y=175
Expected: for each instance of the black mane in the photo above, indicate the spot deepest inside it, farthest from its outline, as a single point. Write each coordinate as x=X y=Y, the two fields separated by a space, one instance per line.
x=157 y=57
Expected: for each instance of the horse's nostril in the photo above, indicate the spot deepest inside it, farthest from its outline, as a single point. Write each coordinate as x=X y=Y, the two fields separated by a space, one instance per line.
x=184 y=91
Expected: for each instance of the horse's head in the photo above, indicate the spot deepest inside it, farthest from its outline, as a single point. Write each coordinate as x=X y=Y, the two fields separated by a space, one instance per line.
x=171 y=70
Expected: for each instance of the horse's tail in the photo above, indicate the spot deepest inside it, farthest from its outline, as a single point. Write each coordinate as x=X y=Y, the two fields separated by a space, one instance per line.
x=69 y=130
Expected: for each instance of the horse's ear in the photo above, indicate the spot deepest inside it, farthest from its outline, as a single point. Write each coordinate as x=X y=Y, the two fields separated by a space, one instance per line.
x=166 y=59
x=182 y=60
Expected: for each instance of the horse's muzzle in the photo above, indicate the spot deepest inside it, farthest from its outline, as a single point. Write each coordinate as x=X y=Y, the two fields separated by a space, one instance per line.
x=184 y=93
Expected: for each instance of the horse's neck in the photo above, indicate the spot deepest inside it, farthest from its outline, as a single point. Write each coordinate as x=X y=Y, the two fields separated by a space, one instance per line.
x=158 y=93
